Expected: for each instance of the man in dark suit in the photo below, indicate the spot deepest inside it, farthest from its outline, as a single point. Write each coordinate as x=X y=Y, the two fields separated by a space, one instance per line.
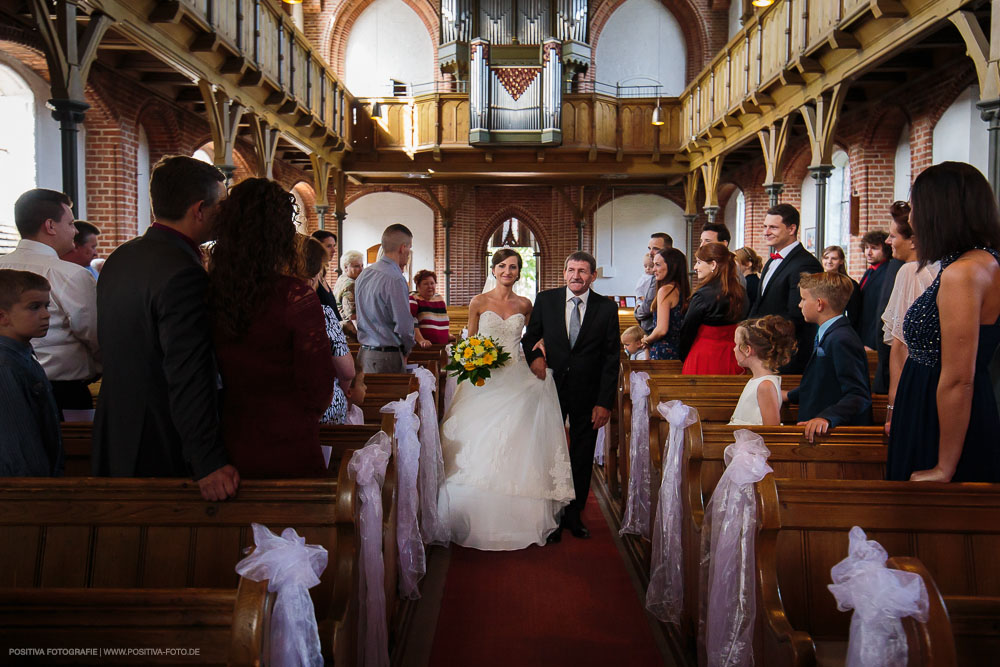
x=834 y=388
x=877 y=254
x=157 y=415
x=779 y=282
x=579 y=328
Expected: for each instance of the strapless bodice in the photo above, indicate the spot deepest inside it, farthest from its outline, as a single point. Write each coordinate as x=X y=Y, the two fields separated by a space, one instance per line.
x=506 y=332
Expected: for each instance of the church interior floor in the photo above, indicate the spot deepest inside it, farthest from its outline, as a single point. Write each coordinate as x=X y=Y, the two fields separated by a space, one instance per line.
x=573 y=603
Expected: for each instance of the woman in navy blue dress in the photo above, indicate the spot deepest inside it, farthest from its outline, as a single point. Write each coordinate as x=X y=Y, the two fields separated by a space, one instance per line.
x=945 y=419
x=672 y=292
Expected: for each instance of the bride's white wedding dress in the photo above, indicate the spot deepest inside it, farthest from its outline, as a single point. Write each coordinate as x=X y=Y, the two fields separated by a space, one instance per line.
x=505 y=455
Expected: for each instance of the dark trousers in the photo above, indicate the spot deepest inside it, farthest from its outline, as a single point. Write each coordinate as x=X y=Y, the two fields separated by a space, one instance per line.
x=582 y=442
x=72 y=395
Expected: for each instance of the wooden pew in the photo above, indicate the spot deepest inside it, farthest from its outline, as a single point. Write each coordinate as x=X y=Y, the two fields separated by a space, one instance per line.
x=458 y=319
x=954 y=529
x=384 y=388
x=153 y=563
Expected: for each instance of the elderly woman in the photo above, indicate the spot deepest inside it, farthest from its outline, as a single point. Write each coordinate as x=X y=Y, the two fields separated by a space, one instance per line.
x=429 y=310
x=351 y=264
x=945 y=418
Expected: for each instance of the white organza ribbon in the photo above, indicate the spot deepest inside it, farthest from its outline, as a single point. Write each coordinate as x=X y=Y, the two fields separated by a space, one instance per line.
x=636 y=519
x=600 y=450
x=355 y=416
x=367 y=467
x=450 y=382
x=880 y=597
x=291 y=567
x=433 y=497
x=728 y=562
x=412 y=563
x=665 y=594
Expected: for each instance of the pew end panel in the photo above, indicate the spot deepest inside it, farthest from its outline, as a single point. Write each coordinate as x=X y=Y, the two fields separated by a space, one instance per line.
x=930 y=643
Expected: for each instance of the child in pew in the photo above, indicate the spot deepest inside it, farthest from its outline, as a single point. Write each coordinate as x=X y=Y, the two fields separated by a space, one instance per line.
x=632 y=340
x=356 y=396
x=763 y=345
x=835 y=389
x=30 y=444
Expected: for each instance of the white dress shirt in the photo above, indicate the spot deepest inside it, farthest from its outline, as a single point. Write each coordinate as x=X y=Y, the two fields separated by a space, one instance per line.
x=775 y=263
x=69 y=351
x=570 y=306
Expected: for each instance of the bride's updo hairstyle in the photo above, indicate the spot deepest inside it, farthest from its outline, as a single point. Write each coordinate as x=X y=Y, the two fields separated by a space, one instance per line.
x=771 y=337
x=502 y=254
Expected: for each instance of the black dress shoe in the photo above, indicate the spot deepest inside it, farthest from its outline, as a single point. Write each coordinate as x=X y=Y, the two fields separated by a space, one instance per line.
x=555 y=536
x=578 y=530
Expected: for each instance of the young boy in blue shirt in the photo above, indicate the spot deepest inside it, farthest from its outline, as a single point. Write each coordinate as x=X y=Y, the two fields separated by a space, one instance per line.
x=835 y=388
x=30 y=441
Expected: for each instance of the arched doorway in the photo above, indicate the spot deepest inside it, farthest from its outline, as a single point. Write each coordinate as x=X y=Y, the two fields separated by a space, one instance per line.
x=513 y=233
x=17 y=150
x=369 y=215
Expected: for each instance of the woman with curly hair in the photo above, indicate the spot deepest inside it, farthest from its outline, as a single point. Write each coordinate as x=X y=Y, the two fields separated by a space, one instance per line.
x=270 y=337
x=718 y=305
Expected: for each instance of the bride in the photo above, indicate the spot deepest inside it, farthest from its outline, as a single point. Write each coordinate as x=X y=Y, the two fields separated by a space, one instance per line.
x=506 y=461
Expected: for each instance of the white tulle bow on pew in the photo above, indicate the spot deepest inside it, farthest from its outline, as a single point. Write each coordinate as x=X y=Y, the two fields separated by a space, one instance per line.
x=367 y=466
x=728 y=563
x=880 y=597
x=291 y=567
x=665 y=594
x=636 y=518
x=433 y=499
x=601 y=448
x=412 y=562
x=450 y=382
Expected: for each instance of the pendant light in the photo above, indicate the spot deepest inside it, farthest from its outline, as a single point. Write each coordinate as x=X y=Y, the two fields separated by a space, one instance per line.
x=657 y=114
x=762 y=3
x=377 y=111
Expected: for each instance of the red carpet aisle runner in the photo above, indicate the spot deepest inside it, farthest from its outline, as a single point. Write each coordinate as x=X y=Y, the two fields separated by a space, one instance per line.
x=570 y=603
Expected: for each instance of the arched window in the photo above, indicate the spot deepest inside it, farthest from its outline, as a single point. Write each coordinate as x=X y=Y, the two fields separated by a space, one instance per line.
x=901 y=166
x=142 y=172
x=202 y=154
x=838 y=207
x=736 y=217
x=512 y=233
x=642 y=41
x=960 y=133
x=388 y=42
x=17 y=150
x=300 y=219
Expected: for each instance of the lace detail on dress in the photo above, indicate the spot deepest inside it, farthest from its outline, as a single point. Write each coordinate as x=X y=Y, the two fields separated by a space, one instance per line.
x=507 y=332
x=922 y=324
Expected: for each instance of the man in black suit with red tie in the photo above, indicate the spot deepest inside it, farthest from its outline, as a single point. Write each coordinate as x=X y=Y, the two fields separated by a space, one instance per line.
x=779 y=282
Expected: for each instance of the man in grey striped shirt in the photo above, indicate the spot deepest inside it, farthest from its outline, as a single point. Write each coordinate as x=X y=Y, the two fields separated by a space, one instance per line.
x=382 y=300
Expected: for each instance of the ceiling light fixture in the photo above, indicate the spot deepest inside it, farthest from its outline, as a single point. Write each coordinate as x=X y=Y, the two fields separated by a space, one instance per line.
x=657 y=114
x=762 y=3
x=377 y=111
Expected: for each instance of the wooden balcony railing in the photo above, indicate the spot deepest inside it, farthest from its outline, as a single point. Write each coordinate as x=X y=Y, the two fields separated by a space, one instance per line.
x=589 y=121
x=270 y=42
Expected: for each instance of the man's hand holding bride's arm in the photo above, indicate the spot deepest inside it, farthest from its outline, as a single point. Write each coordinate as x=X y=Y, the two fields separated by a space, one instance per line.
x=538 y=367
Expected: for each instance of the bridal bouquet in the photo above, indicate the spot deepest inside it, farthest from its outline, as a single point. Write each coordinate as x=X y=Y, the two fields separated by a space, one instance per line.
x=474 y=357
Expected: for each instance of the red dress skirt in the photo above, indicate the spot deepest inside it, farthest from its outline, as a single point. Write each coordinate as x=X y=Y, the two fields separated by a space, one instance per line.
x=712 y=352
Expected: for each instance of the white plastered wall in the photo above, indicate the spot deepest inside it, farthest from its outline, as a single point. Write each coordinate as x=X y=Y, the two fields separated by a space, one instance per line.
x=961 y=134
x=388 y=41
x=735 y=12
x=902 y=167
x=368 y=217
x=622 y=228
x=642 y=39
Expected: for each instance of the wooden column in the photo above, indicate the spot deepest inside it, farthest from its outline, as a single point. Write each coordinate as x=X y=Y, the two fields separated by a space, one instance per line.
x=710 y=174
x=224 y=115
x=821 y=118
x=773 y=141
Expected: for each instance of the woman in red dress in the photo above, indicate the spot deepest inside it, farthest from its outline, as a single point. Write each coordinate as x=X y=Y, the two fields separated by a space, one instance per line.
x=270 y=337
x=713 y=314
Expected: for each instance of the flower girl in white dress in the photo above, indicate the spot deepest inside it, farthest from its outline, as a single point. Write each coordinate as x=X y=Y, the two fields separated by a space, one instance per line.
x=763 y=345
x=507 y=469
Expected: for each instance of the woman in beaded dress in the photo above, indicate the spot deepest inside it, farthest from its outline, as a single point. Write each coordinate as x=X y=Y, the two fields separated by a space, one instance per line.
x=945 y=418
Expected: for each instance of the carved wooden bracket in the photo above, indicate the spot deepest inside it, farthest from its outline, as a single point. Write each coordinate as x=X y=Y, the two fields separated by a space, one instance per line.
x=68 y=54
x=265 y=141
x=322 y=170
x=691 y=193
x=224 y=117
x=710 y=173
x=984 y=53
x=821 y=118
x=773 y=141
x=587 y=204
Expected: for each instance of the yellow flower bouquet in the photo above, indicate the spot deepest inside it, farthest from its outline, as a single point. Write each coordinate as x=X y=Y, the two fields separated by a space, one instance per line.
x=474 y=357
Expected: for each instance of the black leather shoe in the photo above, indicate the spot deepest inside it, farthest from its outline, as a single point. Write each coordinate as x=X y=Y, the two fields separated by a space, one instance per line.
x=578 y=530
x=555 y=536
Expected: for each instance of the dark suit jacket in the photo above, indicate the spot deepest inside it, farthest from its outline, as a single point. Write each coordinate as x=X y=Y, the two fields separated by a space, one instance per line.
x=880 y=385
x=157 y=415
x=782 y=298
x=870 y=328
x=326 y=298
x=835 y=383
x=587 y=374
